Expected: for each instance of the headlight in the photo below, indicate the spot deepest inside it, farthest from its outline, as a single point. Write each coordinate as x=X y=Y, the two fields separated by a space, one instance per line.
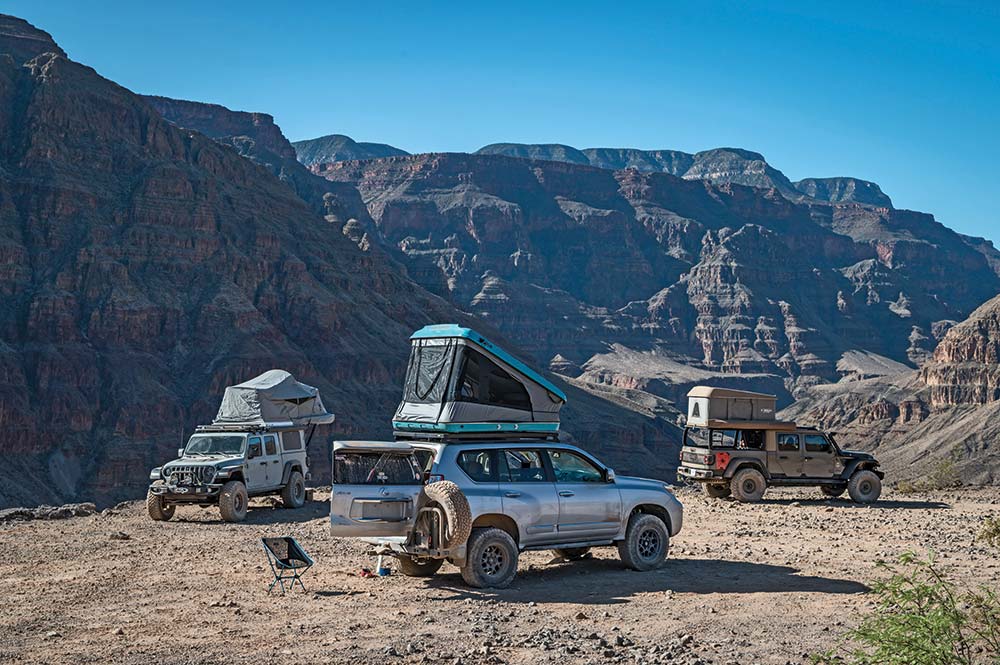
x=207 y=474
x=165 y=471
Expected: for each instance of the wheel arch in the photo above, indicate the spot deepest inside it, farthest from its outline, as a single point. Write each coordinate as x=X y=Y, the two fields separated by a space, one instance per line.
x=651 y=509
x=291 y=465
x=739 y=465
x=498 y=521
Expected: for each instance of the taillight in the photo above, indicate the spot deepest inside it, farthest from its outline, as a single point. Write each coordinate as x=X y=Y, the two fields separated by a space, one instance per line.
x=432 y=478
x=708 y=460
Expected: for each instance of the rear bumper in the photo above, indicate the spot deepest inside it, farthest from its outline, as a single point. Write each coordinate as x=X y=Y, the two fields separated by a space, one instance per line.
x=689 y=473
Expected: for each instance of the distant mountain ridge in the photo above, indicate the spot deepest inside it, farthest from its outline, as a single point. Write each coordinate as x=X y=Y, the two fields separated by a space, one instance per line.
x=719 y=166
x=340 y=148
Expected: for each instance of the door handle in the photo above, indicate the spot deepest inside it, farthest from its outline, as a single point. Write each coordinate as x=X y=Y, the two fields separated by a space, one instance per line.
x=807 y=457
x=263 y=463
x=566 y=493
x=782 y=456
x=512 y=495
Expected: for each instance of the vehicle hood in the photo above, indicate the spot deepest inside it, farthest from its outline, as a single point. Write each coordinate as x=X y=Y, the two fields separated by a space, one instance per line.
x=219 y=461
x=634 y=483
x=857 y=454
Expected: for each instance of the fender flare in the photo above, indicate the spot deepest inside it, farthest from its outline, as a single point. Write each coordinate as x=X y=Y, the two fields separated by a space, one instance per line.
x=743 y=464
x=290 y=466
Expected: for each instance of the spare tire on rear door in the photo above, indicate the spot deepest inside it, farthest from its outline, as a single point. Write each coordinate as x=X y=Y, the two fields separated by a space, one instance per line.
x=458 y=515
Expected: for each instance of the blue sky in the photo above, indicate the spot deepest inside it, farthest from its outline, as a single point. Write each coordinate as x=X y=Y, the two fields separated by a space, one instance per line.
x=906 y=93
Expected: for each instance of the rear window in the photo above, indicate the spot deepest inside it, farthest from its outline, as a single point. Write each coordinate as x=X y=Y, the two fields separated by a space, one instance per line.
x=375 y=468
x=696 y=436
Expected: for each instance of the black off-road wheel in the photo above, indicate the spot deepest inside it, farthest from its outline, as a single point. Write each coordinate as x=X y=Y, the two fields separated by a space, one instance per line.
x=158 y=509
x=833 y=491
x=718 y=491
x=293 y=494
x=491 y=559
x=233 y=501
x=864 y=486
x=647 y=541
x=572 y=553
x=412 y=567
x=748 y=485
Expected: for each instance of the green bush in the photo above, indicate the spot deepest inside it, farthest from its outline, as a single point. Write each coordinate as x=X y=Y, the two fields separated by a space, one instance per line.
x=941 y=476
x=922 y=618
x=990 y=533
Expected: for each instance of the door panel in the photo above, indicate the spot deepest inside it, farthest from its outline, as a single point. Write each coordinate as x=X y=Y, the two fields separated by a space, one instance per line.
x=256 y=468
x=787 y=456
x=375 y=490
x=528 y=495
x=589 y=507
x=273 y=459
x=819 y=460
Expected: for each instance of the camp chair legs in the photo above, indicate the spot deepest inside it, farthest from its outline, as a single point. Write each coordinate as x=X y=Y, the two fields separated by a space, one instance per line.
x=288 y=562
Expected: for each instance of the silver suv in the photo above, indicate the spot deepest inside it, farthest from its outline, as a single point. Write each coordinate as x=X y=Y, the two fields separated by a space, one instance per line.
x=522 y=495
x=226 y=466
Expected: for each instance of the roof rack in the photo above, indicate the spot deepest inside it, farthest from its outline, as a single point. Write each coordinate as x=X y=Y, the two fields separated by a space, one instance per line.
x=456 y=437
x=249 y=427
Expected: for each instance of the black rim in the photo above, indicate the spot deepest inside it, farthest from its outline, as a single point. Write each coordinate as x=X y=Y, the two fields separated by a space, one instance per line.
x=238 y=502
x=298 y=490
x=866 y=487
x=493 y=560
x=749 y=486
x=649 y=544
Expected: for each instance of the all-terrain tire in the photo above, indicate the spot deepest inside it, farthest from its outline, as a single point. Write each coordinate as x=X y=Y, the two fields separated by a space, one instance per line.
x=864 y=486
x=457 y=512
x=233 y=501
x=157 y=508
x=833 y=491
x=718 y=491
x=646 y=544
x=293 y=494
x=572 y=553
x=490 y=559
x=418 y=568
x=748 y=485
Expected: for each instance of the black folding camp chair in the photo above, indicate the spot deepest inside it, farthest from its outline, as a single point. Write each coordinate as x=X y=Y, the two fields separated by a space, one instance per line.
x=288 y=561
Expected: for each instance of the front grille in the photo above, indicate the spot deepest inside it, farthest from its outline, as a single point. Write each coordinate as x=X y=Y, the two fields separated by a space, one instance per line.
x=186 y=476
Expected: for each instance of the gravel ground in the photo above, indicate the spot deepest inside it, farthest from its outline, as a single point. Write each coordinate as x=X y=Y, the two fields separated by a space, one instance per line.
x=766 y=583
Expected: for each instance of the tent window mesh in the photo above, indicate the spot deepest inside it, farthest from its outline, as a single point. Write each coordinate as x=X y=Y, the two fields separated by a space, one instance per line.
x=427 y=374
x=484 y=382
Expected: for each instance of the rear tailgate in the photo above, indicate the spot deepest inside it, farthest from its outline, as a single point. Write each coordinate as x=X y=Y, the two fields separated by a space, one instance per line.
x=375 y=489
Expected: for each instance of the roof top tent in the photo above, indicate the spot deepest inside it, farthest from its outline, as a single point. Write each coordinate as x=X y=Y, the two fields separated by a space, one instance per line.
x=722 y=407
x=273 y=400
x=460 y=385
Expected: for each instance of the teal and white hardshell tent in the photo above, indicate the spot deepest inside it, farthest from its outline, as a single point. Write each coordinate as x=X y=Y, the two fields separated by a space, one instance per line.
x=458 y=382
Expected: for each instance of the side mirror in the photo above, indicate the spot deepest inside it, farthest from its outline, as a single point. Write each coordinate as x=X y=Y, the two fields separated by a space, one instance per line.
x=609 y=475
x=254 y=451
x=180 y=452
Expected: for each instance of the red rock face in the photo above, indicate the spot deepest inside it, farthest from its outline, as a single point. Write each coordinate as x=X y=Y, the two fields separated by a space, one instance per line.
x=965 y=367
x=566 y=258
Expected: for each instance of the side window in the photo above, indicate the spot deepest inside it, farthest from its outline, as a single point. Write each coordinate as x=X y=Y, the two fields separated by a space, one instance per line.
x=269 y=445
x=479 y=465
x=788 y=443
x=571 y=468
x=254 y=447
x=752 y=439
x=524 y=466
x=817 y=443
x=291 y=441
x=723 y=438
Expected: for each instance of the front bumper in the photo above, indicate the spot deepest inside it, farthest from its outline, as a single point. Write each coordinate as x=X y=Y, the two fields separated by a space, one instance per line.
x=187 y=493
x=689 y=473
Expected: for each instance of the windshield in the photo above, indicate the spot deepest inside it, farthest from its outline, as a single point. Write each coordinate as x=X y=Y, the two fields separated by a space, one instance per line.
x=215 y=444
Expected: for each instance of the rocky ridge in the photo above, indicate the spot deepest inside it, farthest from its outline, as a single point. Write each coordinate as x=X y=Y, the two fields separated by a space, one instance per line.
x=340 y=148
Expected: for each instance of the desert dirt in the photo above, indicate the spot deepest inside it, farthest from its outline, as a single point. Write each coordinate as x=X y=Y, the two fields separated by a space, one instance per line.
x=766 y=583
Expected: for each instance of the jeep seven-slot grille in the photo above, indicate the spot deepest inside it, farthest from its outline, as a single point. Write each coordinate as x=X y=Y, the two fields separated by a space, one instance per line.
x=185 y=475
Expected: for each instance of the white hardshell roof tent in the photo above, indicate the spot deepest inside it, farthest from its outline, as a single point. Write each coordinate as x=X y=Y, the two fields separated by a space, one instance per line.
x=273 y=397
x=459 y=383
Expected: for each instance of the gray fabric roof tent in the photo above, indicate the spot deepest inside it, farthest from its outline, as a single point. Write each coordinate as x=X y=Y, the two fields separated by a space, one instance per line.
x=458 y=383
x=273 y=398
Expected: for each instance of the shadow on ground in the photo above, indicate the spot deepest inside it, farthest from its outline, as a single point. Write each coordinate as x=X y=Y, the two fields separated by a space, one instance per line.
x=846 y=503
x=257 y=514
x=601 y=581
